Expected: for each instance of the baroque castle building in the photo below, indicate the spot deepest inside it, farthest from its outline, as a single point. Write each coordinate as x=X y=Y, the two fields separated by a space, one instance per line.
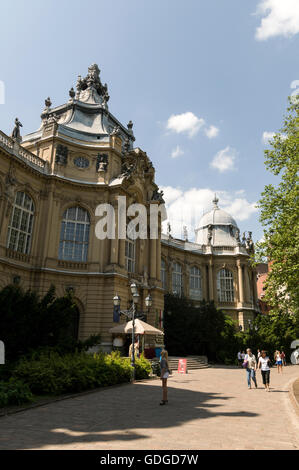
x=51 y=183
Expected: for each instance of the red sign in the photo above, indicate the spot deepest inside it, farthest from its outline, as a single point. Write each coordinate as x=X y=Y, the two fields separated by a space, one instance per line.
x=182 y=368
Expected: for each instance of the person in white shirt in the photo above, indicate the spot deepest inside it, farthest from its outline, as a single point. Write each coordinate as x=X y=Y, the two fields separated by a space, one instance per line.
x=264 y=365
x=240 y=358
x=251 y=368
x=278 y=360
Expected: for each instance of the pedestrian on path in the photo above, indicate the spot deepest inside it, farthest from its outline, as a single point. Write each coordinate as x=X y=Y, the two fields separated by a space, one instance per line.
x=251 y=368
x=278 y=360
x=258 y=354
x=264 y=365
x=239 y=355
x=164 y=375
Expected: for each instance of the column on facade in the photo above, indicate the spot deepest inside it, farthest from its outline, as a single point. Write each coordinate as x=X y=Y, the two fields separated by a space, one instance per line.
x=159 y=255
x=114 y=242
x=211 y=281
x=247 y=284
x=254 y=281
x=240 y=282
x=153 y=259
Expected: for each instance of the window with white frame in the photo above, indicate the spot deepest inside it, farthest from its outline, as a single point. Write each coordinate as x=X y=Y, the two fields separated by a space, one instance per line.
x=195 y=284
x=74 y=235
x=21 y=224
x=225 y=286
x=163 y=274
x=130 y=252
x=130 y=255
x=177 y=279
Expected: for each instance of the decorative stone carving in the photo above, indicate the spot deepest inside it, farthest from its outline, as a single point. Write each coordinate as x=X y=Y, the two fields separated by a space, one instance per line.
x=90 y=88
x=249 y=243
x=169 y=230
x=72 y=93
x=10 y=187
x=127 y=145
x=16 y=134
x=237 y=236
x=127 y=169
x=185 y=233
x=158 y=196
x=61 y=154
x=102 y=162
x=116 y=131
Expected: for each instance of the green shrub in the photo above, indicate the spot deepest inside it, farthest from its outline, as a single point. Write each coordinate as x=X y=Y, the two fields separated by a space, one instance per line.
x=14 y=392
x=52 y=374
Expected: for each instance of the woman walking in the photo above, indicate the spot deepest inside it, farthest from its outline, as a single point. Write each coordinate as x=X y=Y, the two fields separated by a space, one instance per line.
x=250 y=368
x=164 y=375
x=278 y=360
x=264 y=365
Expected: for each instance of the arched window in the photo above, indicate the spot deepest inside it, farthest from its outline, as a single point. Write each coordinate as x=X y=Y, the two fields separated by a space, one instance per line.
x=163 y=274
x=225 y=286
x=74 y=235
x=177 y=279
x=21 y=224
x=195 y=284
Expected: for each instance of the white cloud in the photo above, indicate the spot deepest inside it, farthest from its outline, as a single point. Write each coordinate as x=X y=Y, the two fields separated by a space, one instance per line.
x=267 y=136
x=224 y=160
x=187 y=207
x=185 y=123
x=211 y=132
x=280 y=18
x=177 y=152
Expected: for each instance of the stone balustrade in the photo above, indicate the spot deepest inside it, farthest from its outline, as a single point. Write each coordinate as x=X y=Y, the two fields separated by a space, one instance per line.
x=14 y=147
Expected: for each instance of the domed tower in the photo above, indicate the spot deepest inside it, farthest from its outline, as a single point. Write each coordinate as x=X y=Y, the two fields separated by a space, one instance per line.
x=217 y=228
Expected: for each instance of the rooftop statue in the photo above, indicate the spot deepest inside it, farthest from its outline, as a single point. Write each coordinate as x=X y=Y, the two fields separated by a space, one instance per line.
x=16 y=134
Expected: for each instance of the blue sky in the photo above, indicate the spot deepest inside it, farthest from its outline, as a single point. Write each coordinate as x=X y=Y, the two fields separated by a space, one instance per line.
x=202 y=80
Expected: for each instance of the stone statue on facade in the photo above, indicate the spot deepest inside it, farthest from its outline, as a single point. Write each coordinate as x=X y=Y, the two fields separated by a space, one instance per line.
x=72 y=93
x=185 y=233
x=61 y=155
x=249 y=243
x=115 y=131
x=237 y=235
x=158 y=196
x=102 y=162
x=16 y=134
x=169 y=230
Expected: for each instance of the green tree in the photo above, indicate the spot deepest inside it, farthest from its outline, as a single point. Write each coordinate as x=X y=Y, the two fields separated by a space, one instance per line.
x=280 y=216
x=28 y=323
x=201 y=330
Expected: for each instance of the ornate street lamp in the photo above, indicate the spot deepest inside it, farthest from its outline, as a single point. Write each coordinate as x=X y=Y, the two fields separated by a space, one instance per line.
x=116 y=301
x=149 y=301
x=131 y=315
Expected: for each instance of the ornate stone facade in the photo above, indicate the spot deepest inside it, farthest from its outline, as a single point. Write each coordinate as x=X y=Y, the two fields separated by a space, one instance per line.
x=51 y=183
x=216 y=267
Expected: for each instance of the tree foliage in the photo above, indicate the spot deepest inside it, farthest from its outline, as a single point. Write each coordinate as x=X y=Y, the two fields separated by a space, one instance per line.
x=280 y=215
x=28 y=323
x=202 y=330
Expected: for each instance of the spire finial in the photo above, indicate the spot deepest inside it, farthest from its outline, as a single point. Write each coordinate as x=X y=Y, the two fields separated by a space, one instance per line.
x=215 y=201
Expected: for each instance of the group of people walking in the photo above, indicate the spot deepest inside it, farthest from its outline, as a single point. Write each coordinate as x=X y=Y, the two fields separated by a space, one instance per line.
x=249 y=362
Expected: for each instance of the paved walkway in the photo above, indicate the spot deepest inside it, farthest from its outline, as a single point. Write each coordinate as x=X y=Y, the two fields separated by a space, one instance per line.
x=208 y=409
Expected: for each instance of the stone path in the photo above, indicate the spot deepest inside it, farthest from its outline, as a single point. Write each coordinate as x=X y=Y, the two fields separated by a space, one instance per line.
x=208 y=409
